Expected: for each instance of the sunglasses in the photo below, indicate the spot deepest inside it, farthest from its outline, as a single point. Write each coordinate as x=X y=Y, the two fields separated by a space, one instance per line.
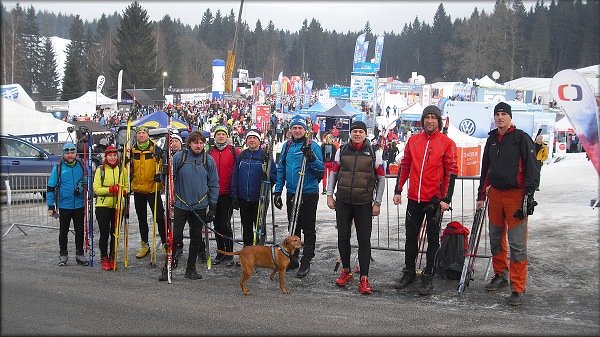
x=70 y=149
x=111 y=151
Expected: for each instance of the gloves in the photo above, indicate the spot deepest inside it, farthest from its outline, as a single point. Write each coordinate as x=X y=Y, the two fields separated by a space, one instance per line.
x=157 y=178
x=212 y=212
x=263 y=176
x=235 y=203
x=308 y=153
x=531 y=203
x=278 y=202
x=114 y=189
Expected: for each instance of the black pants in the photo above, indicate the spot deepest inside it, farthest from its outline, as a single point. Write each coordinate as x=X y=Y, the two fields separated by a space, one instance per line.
x=248 y=213
x=140 y=200
x=363 y=222
x=305 y=223
x=222 y=223
x=414 y=219
x=77 y=215
x=106 y=224
x=195 y=229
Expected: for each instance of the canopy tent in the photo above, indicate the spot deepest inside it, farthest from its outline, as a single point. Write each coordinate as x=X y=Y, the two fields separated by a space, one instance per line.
x=336 y=112
x=16 y=93
x=317 y=107
x=564 y=125
x=351 y=109
x=33 y=125
x=159 y=119
x=86 y=104
x=487 y=82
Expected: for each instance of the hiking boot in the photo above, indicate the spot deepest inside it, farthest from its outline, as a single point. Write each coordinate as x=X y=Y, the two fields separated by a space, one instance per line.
x=144 y=250
x=62 y=260
x=82 y=260
x=229 y=261
x=304 y=269
x=498 y=281
x=344 y=278
x=407 y=278
x=164 y=275
x=516 y=298
x=192 y=274
x=364 y=286
x=106 y=263
x=426 y=284
x=218 y=259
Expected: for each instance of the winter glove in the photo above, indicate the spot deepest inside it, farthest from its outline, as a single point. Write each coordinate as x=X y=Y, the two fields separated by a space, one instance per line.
x=157 y=178
x=526 y=208
x=308 y=153
x=278 y=201
x=263 y=176
x=212 y=212
x=235 y=203
x=531 y=203
x=114 y=189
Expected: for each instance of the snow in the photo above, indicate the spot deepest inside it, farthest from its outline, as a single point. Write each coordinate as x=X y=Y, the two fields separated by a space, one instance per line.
x=60 y=51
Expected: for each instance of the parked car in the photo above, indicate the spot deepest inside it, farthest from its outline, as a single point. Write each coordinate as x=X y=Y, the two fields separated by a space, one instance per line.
x=27 y=165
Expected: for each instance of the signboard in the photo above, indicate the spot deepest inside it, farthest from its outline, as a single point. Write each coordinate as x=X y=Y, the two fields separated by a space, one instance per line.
x=497 y=95
x=363 y=87
x=468 y=161
x=40 y=138
x=341 y=92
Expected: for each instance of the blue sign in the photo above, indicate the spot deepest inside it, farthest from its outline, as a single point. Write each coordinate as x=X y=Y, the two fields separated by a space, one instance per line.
x=345 y=92
x=335 y=91
x=364 y=67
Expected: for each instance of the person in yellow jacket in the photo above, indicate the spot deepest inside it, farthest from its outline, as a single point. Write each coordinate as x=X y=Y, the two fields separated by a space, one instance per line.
x=106 y=189
x=146 y=166
x=541 y=149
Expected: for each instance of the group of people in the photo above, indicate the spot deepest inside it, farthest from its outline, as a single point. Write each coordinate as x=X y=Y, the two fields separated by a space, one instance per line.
x=211 y=182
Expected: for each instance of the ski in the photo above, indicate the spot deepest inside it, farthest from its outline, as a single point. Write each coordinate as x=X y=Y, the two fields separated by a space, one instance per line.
x=126 y=179
x=89 y=193
x=169 y=200
x=471 y=253
x=265 y=193
x=122 y=204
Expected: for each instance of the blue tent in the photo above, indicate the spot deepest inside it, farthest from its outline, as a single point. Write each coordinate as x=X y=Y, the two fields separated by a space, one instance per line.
x=351 y=109
x=317 y=107
x=159 y=119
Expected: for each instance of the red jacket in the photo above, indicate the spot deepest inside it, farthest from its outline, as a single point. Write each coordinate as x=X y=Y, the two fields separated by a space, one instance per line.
x=225 y=163
x=428 y=162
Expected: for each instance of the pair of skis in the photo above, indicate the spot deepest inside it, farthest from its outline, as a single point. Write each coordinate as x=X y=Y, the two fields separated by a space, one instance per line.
x=471 y=253
x=265 y=194
x=169 y=200
x=122 y=204
x=88 y=193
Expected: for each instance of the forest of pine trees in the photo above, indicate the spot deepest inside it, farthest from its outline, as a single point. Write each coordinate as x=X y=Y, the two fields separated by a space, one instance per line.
x=517 y=42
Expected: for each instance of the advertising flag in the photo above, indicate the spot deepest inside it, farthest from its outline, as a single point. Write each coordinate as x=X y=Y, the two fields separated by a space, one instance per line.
x=365 y=50
x=119 y=85
x=358 y=52
x=575 y=96
x=307 y=93
x=99 y=85
x=278 y=91
x=378 y=51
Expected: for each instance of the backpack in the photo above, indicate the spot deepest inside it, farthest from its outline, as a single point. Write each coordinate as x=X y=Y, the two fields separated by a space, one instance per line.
x=58 y=166
x=308 y=142
x=328 y=152
x=450 y=258
x=204 y=159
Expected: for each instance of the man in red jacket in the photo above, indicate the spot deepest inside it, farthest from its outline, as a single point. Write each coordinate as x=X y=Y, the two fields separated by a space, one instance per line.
x=430 y=162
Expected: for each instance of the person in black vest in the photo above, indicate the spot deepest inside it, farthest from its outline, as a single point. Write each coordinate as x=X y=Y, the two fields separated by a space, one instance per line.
x=329 y=149
x=360 y=185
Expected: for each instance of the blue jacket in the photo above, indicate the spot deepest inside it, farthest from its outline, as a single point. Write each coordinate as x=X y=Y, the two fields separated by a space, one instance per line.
x=193 y=183
x=246 y=182
x=70 y=178
x=290 y=174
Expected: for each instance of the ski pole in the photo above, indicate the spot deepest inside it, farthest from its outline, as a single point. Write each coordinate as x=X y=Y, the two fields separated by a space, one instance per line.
x=298 y=197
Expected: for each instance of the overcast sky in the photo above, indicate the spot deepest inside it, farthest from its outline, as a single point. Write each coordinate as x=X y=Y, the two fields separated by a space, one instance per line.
x=342 y=16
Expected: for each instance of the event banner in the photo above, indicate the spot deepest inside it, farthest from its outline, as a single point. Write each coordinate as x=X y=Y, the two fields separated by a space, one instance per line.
x=307 y=92
x=365 y=50
x=378 y=51
x=278 y=91
x=575 y=96
x=358 y=49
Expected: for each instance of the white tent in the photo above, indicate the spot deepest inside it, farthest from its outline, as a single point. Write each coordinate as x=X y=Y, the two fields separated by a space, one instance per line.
x=86 y=104
x=32 y=125
x=564 y=125
x=15 y=92
x=487 y=82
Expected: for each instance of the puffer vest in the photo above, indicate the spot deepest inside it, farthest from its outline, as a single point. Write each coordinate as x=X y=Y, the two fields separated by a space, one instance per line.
x=356 y=176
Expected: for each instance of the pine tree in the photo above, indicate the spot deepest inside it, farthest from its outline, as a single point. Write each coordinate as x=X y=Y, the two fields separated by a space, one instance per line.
x=32 y=45
x=48 y=77
x=136 y=50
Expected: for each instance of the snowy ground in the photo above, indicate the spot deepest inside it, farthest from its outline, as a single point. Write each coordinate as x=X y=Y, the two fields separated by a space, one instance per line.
x=562 y=294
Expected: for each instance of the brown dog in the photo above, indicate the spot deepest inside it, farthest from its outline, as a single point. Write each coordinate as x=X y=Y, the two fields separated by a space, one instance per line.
x=266 y=257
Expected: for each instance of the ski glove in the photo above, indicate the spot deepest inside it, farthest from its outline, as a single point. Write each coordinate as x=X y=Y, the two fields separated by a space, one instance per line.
x=157 y=178
x=308 y=153
x=114 y=189
x=531 y=203
x=278 y=201
x=527 y=207
x=263 y=176
x=235 y=203
x=212 y=212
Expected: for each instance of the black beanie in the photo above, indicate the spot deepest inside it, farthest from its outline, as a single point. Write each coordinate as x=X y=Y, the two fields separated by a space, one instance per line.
x=432 y=109
x=503 y=107
x=358 y=125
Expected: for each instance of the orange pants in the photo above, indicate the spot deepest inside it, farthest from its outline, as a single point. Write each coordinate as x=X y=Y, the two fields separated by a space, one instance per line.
x=502 y=205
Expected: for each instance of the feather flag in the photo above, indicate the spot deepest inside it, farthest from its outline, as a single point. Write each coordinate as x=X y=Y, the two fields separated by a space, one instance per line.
x=358 y=49
x=119 y=85
x=575 y=96
x=378 y=51
x=99 y=85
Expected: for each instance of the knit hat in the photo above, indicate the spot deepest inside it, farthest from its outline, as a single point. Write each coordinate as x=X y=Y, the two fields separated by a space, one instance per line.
x=503 y=107
x=178 y=137
x=110 y=149
x=141 y=128
x=69 y=147
x=432 y=109
x=298 y=120
x=222 y=128
x=253 y=132
x=358 y=125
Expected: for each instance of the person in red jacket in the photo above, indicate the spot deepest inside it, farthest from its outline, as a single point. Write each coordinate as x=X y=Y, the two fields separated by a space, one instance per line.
x=223 y=154
x=430 y=162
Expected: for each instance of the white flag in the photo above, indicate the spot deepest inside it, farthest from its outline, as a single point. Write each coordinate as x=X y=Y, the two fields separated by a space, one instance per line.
x=99 y=85
x=119 y=86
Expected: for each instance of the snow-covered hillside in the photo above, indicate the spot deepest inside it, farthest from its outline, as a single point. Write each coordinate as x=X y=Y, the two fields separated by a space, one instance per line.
x=60 y=51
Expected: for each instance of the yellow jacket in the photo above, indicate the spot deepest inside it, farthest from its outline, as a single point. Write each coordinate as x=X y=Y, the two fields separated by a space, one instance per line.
x=542 y=154
x=145 y=165
x=111 y=177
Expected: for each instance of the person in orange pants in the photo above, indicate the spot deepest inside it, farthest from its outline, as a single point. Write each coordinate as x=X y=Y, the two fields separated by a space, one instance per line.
x=510 y=169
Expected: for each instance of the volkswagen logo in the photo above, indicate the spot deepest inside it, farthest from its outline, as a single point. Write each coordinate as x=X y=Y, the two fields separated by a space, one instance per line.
x=467 y=126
